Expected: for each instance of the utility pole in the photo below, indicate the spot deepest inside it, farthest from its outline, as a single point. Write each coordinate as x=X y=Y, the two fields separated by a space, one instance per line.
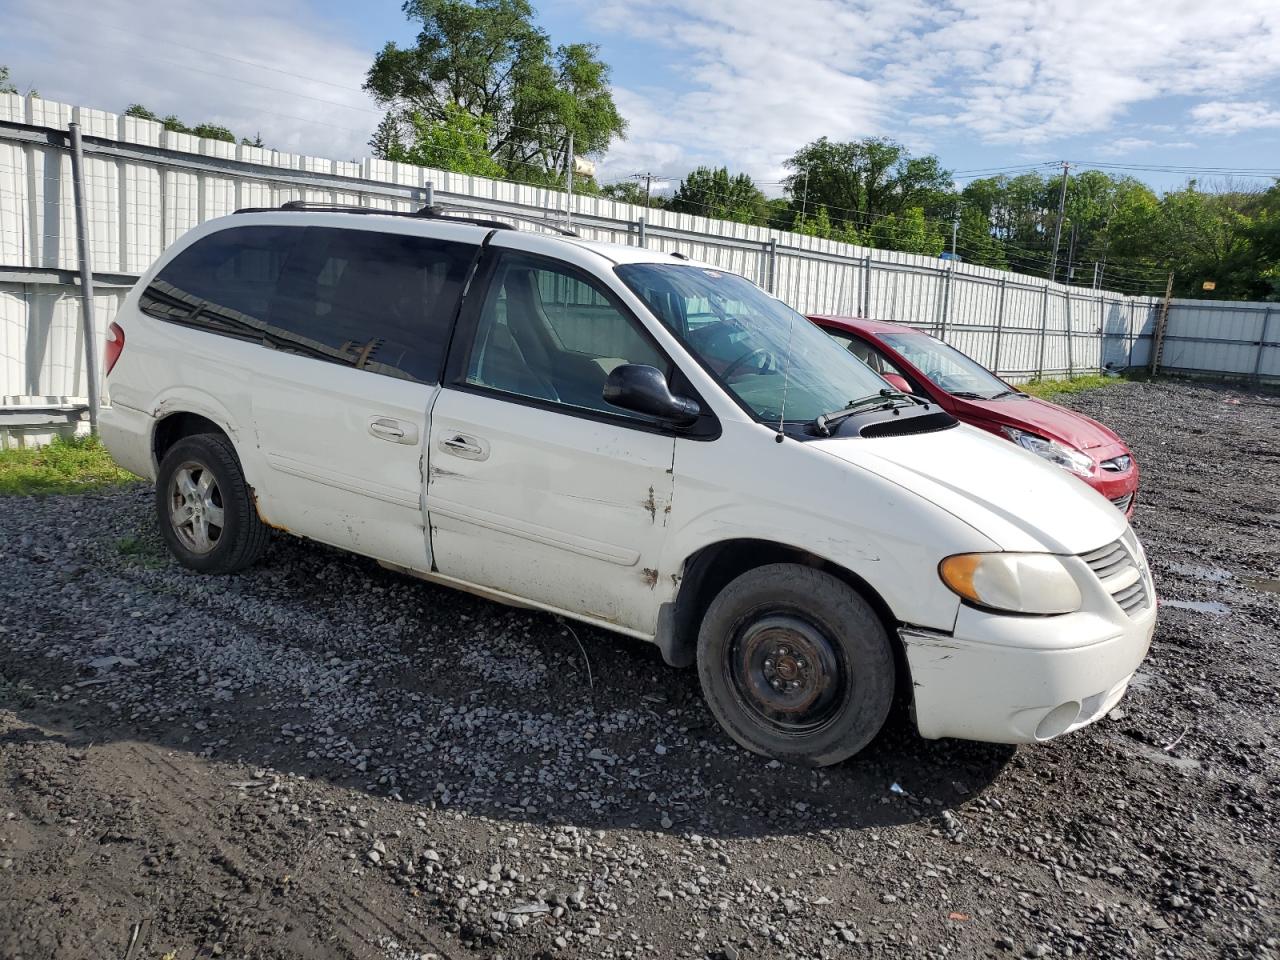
x=955 y=229
x=804 y=198
x=1057 y=230
x=648 y=186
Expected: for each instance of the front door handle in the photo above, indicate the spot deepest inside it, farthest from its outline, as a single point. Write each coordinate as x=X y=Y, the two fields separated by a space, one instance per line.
x=395 y=431
x=460 y=445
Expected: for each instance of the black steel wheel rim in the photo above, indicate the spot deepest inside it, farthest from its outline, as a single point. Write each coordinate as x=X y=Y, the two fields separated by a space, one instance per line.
x=787 y=672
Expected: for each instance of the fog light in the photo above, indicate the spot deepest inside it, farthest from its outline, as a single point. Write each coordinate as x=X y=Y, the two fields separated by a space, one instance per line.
x=1058 y=720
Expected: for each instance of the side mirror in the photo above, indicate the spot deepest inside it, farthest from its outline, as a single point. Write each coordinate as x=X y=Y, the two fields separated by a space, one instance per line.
x=643 y=389
x=898 y=382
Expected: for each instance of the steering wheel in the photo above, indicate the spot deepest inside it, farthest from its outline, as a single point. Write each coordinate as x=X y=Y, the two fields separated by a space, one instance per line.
x=744 y=360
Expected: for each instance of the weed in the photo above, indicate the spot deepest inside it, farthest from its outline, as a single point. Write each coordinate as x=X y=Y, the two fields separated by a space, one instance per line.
x=66 y=465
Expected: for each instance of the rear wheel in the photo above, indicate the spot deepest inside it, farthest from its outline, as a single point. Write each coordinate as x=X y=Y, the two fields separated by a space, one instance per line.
x=206 y=514
x=796 y=665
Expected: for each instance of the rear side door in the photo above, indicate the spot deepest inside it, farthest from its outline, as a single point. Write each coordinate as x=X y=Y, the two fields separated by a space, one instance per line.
x=349 y=329
x=537 y=487
x=343 y=422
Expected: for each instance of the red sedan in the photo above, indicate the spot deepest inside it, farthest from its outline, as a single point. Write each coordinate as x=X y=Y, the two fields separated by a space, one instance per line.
x=914 y=362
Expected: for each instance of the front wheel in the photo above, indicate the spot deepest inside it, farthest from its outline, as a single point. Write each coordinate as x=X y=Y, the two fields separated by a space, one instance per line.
x=796 y=665
x=207 y=516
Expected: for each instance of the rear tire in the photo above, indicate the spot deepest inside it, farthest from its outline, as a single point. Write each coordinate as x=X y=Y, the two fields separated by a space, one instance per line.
x=207 y=516
x=796 y=665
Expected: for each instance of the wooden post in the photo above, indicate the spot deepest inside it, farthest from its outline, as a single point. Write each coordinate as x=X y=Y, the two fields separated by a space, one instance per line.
x=1157 y=341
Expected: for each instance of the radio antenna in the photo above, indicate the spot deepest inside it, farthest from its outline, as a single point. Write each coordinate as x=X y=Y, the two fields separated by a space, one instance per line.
x=786 y=378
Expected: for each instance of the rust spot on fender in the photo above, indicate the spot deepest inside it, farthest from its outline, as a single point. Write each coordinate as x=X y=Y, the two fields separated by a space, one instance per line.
x=253 y=495
x=650 y=577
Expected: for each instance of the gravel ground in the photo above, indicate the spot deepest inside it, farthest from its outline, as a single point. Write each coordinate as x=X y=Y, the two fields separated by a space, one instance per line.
x=322 y=759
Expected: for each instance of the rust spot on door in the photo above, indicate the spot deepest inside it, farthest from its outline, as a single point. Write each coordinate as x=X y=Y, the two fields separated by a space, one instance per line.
x=652 y=506
x=650 y=577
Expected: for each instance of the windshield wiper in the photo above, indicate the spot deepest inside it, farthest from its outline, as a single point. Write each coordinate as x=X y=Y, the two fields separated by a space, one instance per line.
x=1008 y=393
x=970 y=395
x=885 y=398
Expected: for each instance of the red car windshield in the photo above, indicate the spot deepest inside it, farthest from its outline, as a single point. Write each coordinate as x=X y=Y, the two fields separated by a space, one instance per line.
x=946 y=366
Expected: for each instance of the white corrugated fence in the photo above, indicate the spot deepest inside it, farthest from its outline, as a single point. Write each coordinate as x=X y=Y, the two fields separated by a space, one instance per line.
x=146 y=186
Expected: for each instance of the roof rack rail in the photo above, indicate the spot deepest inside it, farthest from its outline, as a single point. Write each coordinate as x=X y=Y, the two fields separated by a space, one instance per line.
x=546 y=222
x=455 y=212
x=425 y=213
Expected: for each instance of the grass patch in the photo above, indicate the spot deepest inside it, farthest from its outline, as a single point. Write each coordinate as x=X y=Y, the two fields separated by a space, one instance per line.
x=1048 y=389
x=145 y=552
x=66 y=465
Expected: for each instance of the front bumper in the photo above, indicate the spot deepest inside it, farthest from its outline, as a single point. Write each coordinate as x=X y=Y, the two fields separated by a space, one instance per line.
x=1017 y=679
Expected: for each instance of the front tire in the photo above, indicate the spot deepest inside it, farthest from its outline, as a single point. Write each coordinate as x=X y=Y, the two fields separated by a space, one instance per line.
x=207 y=516
x=796 y=665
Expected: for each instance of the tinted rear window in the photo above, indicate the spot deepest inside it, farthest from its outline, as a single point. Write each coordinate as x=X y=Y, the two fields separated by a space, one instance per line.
x=383 y=302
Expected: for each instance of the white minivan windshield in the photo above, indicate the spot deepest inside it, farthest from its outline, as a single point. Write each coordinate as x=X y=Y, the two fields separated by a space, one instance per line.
x=750 y=341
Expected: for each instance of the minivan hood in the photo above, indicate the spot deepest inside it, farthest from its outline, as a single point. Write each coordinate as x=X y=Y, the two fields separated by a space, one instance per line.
x=1006 y=493
x=1043 y=418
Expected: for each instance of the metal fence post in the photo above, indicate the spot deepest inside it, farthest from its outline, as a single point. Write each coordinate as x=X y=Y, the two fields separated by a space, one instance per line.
x=431 y=194
x=771 y=249
x=866 y=287
x=1004 y=288
x=644 y=239
x=1044 y=331
x=1262 y=346
x=1102 y=330
x=948 y=278
x=1071 y=366
x=86 y=274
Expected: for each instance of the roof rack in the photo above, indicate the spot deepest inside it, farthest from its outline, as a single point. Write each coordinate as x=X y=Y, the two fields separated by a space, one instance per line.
x=315 y=206
x=454 y=212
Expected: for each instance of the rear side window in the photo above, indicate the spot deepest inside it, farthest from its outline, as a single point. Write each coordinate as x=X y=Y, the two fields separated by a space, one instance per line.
x=382 y=302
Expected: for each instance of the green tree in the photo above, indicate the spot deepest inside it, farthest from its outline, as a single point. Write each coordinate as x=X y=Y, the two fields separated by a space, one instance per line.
x=213 y=131
x=457 y=142
x=712 y=192
x=862 y=180
x=975 y=241
x=491 y=60
x=908 y=232
x=632 y=191
x=6 y=85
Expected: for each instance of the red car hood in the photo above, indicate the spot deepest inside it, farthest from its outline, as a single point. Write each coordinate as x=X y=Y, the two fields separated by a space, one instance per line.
x=1044 y=418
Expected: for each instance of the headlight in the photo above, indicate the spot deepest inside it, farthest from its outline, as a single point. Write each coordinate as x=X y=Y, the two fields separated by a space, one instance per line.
x=1016 y=582
x=1069 y=458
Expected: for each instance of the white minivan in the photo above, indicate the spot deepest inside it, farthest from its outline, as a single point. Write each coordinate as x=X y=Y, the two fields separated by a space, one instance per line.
x=634 y=440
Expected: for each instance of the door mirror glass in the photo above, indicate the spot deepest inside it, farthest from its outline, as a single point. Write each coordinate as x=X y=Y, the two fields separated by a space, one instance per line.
x=641 y=388
x=898 y=382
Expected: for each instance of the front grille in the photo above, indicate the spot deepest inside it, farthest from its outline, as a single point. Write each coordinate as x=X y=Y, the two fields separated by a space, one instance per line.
x=1122 y=503
x=1116 y=565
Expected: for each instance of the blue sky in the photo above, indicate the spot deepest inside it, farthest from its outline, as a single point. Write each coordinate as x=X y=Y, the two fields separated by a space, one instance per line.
x=985 y=84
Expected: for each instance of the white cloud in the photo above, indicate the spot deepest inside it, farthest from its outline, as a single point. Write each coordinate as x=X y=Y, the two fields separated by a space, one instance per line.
x=187 y=57
x=1227 y=117
x=761 y=78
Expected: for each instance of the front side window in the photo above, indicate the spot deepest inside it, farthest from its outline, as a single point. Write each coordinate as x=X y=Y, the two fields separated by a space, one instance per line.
x=548 y=333
x=946 y=366
x=382 y=302
x=759 y=348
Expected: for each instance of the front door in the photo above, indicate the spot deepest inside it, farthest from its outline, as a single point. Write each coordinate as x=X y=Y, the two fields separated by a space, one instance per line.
x=538 y=488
